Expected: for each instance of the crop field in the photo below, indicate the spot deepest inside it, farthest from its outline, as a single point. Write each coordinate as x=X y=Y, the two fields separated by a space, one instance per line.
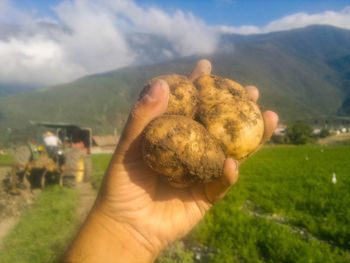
x=285 y=208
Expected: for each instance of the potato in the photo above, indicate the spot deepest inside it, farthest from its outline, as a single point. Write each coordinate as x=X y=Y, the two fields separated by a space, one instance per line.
x=182 y=97
x=227 y=124
x=229 y=115
x=182 y=150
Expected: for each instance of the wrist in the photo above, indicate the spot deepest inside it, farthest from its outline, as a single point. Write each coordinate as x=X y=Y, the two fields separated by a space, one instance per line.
x=103 y=239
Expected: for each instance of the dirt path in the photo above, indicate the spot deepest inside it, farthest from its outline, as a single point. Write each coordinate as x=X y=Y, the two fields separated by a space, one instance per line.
x=6 y=222
x=87 y=197
x=12 y=206
x=339 y=138
x=6 y=226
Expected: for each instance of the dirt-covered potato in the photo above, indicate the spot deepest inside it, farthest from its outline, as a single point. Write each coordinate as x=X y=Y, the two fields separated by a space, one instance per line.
x=229 y=115
x=182 y=97
x=182 y=150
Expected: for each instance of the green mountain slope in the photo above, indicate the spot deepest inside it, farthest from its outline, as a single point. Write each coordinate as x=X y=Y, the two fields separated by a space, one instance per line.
x=9 y=89
x=301 y=73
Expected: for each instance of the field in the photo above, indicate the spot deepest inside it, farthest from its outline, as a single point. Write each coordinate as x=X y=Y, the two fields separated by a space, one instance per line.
x=284 y=208
x=44 y=230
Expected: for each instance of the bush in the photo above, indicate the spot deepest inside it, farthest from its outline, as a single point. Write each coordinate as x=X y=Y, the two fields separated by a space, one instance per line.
x=279 y=139
x=299 y=133
x=324 y=133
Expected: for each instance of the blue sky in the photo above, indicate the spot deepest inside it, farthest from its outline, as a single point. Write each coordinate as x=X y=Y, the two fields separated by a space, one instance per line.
x=228 y=12
x=242 y=12
x=90 y=36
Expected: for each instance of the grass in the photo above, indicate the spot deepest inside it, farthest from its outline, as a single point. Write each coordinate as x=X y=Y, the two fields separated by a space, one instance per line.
x=284 y=208
x=6 y=159
x=100 y=163
x=43 y=231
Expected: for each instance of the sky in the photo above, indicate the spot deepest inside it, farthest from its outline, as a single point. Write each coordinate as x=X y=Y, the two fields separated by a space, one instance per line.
x=214 y=12
x=55 y=41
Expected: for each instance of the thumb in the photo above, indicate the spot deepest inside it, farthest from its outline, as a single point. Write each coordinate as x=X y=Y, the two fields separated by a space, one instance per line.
x=154 y=102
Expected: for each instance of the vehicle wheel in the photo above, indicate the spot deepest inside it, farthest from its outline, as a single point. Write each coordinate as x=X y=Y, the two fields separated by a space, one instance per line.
x=74 y=165
x=69 y=181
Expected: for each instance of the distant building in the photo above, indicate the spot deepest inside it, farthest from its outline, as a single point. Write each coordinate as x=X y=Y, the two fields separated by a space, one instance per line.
x=280 y=130
x=104 y=144
x=335 y=123
x=316 y=131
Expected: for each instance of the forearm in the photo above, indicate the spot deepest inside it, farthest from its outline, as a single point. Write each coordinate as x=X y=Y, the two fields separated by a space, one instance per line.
x=101 y=239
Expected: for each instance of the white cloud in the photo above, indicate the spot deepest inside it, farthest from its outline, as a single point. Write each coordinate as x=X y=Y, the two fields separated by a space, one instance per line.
x=95 y=42
x=297 y=20
x=35 y=60
x=188 y=34
x=93 y=36
x=99 y=35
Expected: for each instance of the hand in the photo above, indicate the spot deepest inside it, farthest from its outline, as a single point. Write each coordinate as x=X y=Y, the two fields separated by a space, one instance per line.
x=135 y=204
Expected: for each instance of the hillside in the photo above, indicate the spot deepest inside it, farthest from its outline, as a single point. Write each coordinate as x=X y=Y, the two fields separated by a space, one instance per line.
x=301 y=73
x=9 y=89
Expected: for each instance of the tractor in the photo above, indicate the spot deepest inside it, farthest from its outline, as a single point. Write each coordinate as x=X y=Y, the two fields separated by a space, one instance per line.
x=36 y=164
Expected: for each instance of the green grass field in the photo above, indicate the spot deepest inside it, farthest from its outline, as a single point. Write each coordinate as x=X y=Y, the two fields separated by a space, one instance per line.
x=6 y=159
x=100 y=164
x=284 y=208
x=44 y=230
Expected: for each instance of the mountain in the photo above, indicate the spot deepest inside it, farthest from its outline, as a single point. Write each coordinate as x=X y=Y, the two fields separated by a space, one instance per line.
x=301 y=73
x=8 y=89
x=342 y=66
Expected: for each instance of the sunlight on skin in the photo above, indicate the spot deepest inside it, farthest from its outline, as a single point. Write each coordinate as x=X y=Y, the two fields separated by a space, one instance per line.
x=136 y=214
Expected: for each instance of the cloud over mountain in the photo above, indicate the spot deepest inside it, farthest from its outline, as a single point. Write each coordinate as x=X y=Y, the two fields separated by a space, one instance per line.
x=93 y=36
x=90 y=36
x=297 y=20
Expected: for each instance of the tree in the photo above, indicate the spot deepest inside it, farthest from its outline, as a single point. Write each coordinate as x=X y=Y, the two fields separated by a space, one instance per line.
x=279 y=139
x=324 y=133
x=299 y=133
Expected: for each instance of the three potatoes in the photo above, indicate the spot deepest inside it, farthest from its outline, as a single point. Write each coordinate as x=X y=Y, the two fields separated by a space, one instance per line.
x=206 y=121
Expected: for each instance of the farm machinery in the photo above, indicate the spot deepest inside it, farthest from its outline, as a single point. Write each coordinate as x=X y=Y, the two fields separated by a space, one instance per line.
x=35 y=164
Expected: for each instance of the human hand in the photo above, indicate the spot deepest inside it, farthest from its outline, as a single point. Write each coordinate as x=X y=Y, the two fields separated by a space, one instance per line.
x=133 y=201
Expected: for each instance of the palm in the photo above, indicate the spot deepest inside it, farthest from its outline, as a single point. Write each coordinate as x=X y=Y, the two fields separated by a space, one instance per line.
x=145 y=212
x=136 y=195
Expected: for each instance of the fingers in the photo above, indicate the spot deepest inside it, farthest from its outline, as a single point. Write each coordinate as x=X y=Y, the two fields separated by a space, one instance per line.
x=203 y=67
x=217 y=189
x=270 y=122
x=253 y=93
x=270 y=117
x=153 y=103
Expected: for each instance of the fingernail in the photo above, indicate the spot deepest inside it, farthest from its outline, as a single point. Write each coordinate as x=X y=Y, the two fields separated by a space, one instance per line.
x=155 y=88
x=236 y=163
